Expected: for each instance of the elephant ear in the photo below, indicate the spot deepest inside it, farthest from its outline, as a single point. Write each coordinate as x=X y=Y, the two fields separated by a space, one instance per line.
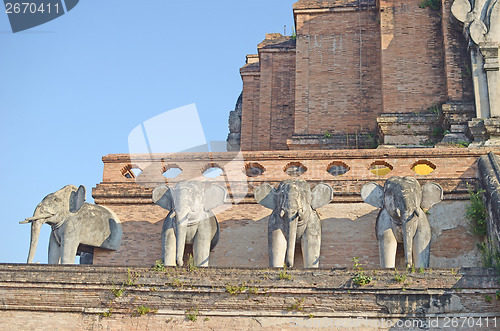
x=76 y=199
x=265 y=196
x=162 y=196
x=214 y=196
x=322 y=194
x=373 y=194
x=432 y=193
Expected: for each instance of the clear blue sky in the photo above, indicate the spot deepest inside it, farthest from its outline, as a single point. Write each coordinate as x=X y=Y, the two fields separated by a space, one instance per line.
x=72 y=90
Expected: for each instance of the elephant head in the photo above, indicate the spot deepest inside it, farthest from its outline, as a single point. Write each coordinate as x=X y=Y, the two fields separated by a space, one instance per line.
x=294 y=207
x=53 y=210
x=403 y=200
x=190 y=205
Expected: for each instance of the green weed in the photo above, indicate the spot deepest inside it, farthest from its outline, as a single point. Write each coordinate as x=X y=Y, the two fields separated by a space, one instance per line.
x=143 y=310
x=360 y=278
x=192 y=314
x=432 y=4
x=400 y=277
x=107 y=313
x=159 y=266
x=235 y=289
x=298 y=305
x=284 y=275
x=475 y=212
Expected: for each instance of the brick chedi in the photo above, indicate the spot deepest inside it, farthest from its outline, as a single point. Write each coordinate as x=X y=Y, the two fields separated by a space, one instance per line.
x=357 y=72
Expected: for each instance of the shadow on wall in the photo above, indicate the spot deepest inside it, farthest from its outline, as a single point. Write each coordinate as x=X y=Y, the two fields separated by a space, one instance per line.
x=141 y=245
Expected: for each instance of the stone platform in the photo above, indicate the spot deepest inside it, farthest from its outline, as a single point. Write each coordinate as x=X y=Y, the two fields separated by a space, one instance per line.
x=48 y=297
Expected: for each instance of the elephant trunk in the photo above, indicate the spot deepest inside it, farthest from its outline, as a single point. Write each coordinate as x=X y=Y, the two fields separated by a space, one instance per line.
x=408 y=233
x=291 y=219
x=36 y=224
x=35 y=234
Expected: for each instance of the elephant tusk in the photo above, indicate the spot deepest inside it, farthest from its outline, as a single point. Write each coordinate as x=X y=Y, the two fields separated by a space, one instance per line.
x=34 y=218
x=282 y=213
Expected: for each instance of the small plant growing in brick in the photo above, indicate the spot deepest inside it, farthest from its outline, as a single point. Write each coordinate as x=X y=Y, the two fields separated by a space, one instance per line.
x=117 y=291
x=298 y=305
x=107 y=313
x=253 y=290
x=432 y=4
x=235 y=289
x=360 y=278
x=327 y=134
x=143 y=310
x=192 y=314
x=488 y=298
x=475 y=212
x=132 y=277
x=400 y=277
x=284 y=275
x=176 y=283
x=497 y=294
x=190 y=264
x=159 y=266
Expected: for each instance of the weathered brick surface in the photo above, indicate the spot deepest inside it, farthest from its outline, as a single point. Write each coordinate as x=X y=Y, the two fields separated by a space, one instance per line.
x=38 y=297
x=411 y=57
x=338 y=72
x=456 y=57
x=355 y=60
x=348 y=223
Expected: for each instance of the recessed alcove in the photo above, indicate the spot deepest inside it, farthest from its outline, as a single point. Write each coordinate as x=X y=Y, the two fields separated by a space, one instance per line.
x=171 y=171
x=337 y=168
x=380 y=168
x=295 y=169
x=212 y=170
x=254 y=169
x=423 y=167
x=131 y=171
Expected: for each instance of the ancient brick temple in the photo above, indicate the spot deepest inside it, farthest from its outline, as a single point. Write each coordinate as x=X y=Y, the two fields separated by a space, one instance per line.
x=357 y=73
x=397 y=74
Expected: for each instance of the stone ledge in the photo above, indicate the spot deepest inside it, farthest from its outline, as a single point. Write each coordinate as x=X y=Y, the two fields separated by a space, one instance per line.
x=84 y=296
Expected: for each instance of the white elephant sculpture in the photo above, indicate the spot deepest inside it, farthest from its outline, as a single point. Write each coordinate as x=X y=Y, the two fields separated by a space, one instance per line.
x=74 y=222
x=190 y=220
x=402 y=218
x=294 y=218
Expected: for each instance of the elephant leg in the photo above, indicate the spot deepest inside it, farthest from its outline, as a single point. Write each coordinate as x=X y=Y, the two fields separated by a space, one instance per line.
x=422 y=244
x=311 y=244
x=180 y=243
x=168 y=241
x=387 y=246
x=387 y=243
x=277 y=247
x=54 y=250
x=201 y=244
x=68 y=251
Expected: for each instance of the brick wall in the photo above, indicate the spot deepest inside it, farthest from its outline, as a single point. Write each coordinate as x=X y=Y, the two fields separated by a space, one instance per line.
x=250 y=107
x=277 y=89
x=348 y=223
x=457 y=60
x=338 y=71
x=412 y=57
x=355 y=60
